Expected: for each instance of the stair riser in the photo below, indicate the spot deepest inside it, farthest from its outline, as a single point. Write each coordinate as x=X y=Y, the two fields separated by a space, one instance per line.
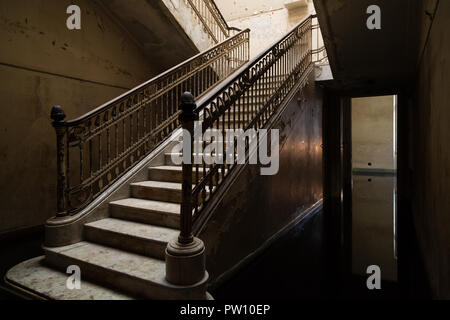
x=238 y=123
x=158 y=194
x=172 y=176
x=165 y=175
x=162 y=219
x=126 y=242
x=168 y=162
x=224 y=145
x=122 y=281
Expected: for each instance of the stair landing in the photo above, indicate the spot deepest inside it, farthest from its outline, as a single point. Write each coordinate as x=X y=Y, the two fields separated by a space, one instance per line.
x=34 y=279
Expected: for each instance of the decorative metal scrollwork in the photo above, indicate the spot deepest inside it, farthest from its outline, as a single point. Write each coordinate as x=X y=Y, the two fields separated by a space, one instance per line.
x=250 y=100
x=98 y=148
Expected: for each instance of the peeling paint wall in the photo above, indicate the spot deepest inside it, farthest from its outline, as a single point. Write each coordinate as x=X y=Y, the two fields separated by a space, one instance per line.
x=237 y=9
x=431 y=151
x=267 y=20
x=42 y=63
x=191 y=24
x=257 y=207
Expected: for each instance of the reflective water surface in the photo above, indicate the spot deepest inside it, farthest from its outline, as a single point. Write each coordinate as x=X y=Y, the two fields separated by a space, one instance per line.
x=374 y=227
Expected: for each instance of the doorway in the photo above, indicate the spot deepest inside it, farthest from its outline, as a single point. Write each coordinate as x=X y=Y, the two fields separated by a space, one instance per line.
x=374 y=184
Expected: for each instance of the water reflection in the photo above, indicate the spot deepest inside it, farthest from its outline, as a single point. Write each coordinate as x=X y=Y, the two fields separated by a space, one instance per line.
x=374 y=224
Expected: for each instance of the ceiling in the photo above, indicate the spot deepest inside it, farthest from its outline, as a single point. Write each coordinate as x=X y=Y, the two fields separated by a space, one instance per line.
x=359 y=56
x=150 y=24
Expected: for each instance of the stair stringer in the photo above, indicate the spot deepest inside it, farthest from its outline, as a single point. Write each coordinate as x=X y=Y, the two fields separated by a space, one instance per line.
x=222 y=217
x=215 y=201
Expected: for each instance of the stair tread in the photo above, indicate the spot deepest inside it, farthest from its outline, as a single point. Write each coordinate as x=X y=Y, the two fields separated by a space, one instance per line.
x=181 y=153
x=135 y=229
x=142 y=267
x=174 y=168
x=158 y=184
x=37 y=276
x=151 y=205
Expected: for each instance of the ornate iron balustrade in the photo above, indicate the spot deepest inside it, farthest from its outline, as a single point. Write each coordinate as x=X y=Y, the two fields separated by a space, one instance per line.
x=319 y=53
x=212 y=19
x=247 y=100
x=96 y=149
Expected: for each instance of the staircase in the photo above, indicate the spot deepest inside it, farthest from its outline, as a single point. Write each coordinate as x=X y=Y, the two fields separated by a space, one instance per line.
x=126 y=249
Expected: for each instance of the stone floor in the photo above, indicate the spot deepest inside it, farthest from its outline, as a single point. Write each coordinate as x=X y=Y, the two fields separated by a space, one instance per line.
x=14 y=252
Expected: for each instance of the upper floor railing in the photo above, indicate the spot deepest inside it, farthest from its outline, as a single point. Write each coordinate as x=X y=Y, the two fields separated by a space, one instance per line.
x=96 y=149
x=319 y=53
x=212 y=19
x=247 y=100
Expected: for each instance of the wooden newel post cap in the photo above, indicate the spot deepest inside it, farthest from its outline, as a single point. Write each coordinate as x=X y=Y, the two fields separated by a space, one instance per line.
x=187 y=107
x=187 y=98
x=57 y=114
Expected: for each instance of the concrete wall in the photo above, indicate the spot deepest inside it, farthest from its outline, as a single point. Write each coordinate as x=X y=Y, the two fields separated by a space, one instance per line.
x=372 y=132
x=184 y=14
x=268 y=20
x=166 y=30
x=42 y=63
x=257 y=207
x=430 y=163
x=236 y=9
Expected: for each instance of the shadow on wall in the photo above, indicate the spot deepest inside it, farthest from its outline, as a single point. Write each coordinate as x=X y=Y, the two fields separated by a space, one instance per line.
x=257 y=207
x=43 y=63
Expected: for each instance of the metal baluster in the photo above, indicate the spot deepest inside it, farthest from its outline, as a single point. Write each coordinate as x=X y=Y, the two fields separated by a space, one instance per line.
x=108 y=146
x=123 y=136
x=100 y=151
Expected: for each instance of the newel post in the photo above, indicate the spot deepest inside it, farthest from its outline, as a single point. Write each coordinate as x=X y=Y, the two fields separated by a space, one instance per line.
x=58 y=116
x=185 y=256
x=187 y=118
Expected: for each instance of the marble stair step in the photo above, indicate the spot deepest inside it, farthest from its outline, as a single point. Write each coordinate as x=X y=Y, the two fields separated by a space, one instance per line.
x=169 y=173
x=157 y=190
x=160 y=213
x=169 y=162
x=50 y=283
x=145 y=239
x=175 y=173
x=133 y=273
